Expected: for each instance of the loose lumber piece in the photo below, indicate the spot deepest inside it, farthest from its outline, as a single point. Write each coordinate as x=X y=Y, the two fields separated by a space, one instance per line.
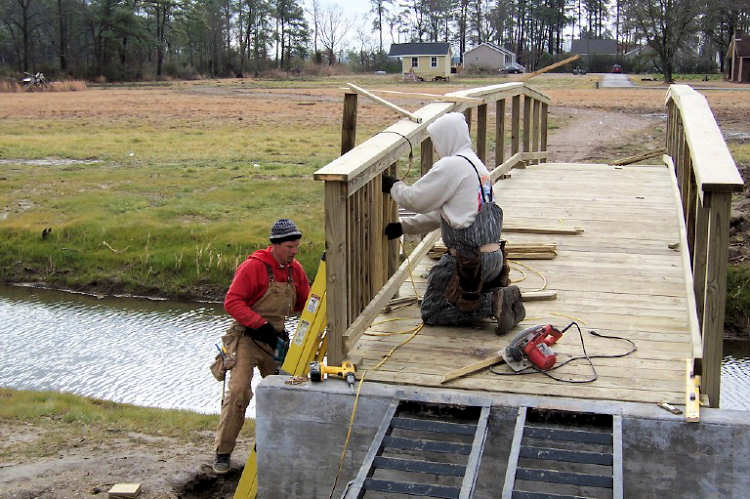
x=550 y=67
x=546 y=294
x=397 y=303
x=638 y=157
x=516 y=251
x=561 y=229
x=124 y=490
x=474 y=367
x=387 y=104
x=437 y=97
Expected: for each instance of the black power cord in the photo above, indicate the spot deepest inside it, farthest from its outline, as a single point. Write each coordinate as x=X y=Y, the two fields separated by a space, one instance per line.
x=532 y=369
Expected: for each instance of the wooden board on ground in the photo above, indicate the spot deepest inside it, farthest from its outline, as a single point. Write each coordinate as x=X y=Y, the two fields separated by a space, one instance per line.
x=125 y=490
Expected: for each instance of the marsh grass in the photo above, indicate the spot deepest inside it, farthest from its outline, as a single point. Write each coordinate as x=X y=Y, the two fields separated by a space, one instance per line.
x=165 y=189
x=64 y=416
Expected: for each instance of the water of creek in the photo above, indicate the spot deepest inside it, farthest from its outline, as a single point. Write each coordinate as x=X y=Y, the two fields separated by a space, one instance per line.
x=156 y=353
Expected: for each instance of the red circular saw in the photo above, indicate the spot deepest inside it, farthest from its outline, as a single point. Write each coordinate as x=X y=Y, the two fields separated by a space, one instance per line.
x=532 y=347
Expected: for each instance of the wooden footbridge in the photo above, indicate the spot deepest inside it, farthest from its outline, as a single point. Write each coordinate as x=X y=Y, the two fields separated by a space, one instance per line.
x=640 y=252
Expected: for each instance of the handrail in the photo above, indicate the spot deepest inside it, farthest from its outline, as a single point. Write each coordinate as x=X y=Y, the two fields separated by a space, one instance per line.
x=706 y=176
x=360 y=260
x=714 y=167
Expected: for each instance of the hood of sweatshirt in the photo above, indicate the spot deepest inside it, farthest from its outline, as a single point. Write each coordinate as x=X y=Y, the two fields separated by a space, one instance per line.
x=264 y=255
x=450 y=134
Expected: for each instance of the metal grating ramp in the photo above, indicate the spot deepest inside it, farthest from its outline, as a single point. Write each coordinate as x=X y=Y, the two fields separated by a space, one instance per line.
x=424 y=449
x=562 y=454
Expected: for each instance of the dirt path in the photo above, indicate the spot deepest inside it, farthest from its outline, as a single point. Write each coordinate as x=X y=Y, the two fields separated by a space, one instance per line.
x=590 y=135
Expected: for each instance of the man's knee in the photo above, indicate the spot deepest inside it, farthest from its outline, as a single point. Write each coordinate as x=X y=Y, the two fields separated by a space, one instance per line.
x=240 y=398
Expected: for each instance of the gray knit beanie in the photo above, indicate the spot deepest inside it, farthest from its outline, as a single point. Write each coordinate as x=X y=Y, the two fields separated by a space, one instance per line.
x=282 y=230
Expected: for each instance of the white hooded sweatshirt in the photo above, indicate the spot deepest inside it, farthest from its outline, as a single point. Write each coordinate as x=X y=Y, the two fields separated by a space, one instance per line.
x=450 y=190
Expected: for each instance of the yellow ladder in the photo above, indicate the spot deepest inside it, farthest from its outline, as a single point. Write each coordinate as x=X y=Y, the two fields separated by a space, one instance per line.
x=308 y=344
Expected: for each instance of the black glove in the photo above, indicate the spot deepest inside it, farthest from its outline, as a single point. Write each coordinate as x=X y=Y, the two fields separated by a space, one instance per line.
x=265 y=333
x=394 y=230
x=388 y=182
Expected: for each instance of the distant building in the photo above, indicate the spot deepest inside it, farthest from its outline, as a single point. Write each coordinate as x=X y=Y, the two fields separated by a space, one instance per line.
x=591 y=46
x=737 y=63
x=489 y=56
x=423 y=61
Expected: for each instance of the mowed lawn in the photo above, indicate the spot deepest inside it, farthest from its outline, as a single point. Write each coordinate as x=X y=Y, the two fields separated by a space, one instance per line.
x=163 y=189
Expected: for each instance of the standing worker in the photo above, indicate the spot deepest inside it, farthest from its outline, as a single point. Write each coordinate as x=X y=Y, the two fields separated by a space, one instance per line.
x=267 y=287
x=470 y=282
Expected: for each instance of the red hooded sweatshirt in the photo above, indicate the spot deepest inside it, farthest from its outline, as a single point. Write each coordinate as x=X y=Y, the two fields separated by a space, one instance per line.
x=250 y=283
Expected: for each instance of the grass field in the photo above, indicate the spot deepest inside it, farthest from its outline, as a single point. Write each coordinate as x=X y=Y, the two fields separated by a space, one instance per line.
x=63 y=418
x=164 y=189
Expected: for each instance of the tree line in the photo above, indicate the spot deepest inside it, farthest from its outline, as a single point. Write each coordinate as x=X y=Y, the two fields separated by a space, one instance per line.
x=143 y=39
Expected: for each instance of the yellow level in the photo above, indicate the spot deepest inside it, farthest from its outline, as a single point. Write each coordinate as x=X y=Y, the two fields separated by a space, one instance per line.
x=309 y=344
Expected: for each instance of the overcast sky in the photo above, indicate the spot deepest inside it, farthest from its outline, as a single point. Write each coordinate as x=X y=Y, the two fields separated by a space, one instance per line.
x=358 y=12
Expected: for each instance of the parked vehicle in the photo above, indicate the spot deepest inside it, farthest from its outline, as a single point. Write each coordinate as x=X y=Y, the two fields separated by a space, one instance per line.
x=513 y=67
x=617 y=68
x=578 y=70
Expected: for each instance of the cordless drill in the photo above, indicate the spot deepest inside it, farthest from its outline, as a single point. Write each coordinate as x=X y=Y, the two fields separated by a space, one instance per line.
x=345 y=371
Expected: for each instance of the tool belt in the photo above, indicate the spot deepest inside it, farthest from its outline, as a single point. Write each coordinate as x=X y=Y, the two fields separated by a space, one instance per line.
x=466 y=285
x=226 y=360
x=485 y=248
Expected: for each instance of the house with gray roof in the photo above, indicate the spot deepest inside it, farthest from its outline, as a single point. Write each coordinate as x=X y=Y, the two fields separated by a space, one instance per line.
x=423 y=60
x=489 y=56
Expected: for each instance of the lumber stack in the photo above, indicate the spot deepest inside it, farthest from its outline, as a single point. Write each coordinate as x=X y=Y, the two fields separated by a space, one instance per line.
x=516 y=251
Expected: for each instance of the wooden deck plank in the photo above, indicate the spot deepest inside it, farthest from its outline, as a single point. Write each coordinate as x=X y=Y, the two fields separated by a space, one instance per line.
x=619 y=277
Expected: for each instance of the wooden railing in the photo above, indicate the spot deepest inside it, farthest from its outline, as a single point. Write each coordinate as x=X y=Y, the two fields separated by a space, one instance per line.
x=363 y=267
x=706 y=176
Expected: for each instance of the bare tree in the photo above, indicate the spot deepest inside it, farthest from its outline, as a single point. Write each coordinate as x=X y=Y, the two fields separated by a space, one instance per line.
x=333 y=28
x=666 y=25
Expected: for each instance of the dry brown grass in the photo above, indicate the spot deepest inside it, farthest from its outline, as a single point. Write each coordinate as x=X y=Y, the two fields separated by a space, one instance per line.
x=8 y=86
x=68 y=86
x=11 y=86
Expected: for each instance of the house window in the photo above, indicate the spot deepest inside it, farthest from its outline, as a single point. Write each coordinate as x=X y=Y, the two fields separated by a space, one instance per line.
x=415 y=62
x=433 y=62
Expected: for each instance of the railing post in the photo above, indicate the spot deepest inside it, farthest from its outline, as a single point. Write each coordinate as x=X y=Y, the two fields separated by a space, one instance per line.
x=700 y=250
x=426 y=155
x=499 y=132
x=515 y=124
x=526 y=123
x=536 y=129
x=543 y=139
x=391 y=215
x=349 y=123
x=716 y=285
x=337 y=293
x=482 y=132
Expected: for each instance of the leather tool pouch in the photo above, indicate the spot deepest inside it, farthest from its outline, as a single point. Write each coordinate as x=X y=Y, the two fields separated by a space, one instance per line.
x=224 y=363
x=465 y=285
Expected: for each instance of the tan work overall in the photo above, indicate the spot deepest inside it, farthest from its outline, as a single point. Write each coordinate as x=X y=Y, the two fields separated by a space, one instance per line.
x=276 y=304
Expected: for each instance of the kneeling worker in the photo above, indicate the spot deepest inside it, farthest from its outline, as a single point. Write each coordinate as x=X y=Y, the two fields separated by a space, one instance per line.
x=470 y=282
x=267 y=287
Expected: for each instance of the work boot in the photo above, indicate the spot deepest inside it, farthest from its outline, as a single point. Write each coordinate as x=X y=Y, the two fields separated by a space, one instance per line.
x=221 y=463
x=507 y=308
